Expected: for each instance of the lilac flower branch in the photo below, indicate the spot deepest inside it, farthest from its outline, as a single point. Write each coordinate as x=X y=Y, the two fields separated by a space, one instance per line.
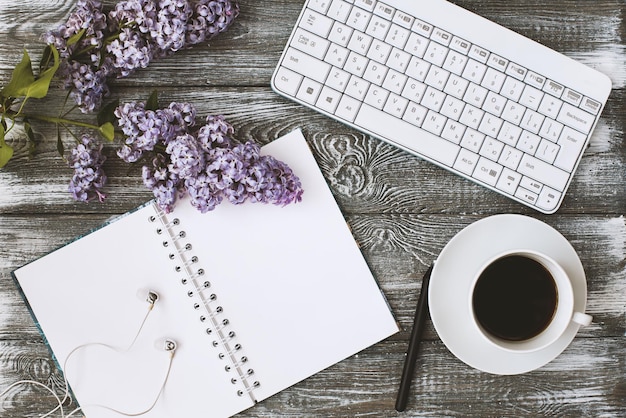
x=94 y=46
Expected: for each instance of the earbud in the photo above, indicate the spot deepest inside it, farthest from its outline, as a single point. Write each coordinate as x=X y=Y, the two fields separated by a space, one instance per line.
x=152 y=297
x=148 y=295
x=166 y=344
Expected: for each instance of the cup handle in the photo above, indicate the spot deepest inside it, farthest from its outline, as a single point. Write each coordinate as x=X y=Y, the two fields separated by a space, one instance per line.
x=582 y=318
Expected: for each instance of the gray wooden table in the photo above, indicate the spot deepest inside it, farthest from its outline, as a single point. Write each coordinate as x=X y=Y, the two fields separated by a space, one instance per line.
x=401 y=210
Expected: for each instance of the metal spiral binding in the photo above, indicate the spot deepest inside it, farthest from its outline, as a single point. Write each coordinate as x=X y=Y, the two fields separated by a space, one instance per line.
x=205 y=301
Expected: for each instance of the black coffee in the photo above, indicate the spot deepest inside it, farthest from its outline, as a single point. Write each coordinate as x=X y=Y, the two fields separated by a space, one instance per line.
x=515 y=298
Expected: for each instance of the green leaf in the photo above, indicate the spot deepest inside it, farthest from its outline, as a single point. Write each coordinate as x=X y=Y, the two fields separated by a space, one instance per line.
x=6 y=152
x=76 y=38
x=39 y=88
x=107 y=131
x=153 y=101
x=21 y=79
x=60 y=147
x=107 y=113
x=23 y=82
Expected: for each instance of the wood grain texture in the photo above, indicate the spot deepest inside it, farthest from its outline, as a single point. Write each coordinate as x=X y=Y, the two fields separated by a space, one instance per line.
x=402 y=211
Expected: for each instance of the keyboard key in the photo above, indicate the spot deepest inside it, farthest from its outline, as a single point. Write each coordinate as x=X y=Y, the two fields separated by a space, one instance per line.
x=508 y=181
x=497 y=62
x=591 y=106
x=366 y=4
x=340 y=34
x=337 y=55
x=385 y=11
x=487 y=171
x=548 y=199
x=356 y=64
x=537 y=169
x=306 y=65
x=360 y=43
x=433 y=99
x=379 y=51
x=328 y=99
x=491 y=149
x=378 y=28
x=320 y=6
x=395 y=81
x=338 y=79
x=357 y=87
x=403 y=19
x=510 y=157
x=526 y=195
x=398 y=60
x=576 y=118
x=339 y=10
x=547 y=151
x=348 y=108
x=531 y=97
x=309 y=91
x=422 y=28
x=532 y=121
x=436 y=53
x=396 y=105
x=553 y=88
x=375 y=73
x=466 y=162
x=474 y=71
x=317 y=23
x=418 y=69
x=572 y=97
x=530 y=184
x=414 y=90
x=287 y=81
x=572 y=143
x=478 y=54
x=493 y=80
x=416 y=45
x=535 y=80
x=358 y=19
x=512 y=89
x=453 y=131
x=415 y=114
x=455 y=62
x=376 y=96
x=516 y=71
x=550 y=106
x=397 y=36
x=310 y=43
x=441 y=36
x=460 y=45
x=407 y=135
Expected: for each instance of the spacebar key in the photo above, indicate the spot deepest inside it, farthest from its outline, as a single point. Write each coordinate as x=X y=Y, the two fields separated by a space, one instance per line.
x=407 y=136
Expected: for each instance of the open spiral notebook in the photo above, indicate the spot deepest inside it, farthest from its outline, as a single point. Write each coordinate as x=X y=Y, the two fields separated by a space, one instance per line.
x=273 y=296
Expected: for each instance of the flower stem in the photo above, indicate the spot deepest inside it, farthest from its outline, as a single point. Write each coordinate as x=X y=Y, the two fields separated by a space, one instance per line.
x=63 y=121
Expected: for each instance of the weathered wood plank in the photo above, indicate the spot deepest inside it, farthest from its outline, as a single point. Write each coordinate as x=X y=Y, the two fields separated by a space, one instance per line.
x=366 y=384
x=366 y=174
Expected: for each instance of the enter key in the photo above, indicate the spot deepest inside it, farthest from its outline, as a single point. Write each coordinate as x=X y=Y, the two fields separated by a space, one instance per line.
x=572 y=145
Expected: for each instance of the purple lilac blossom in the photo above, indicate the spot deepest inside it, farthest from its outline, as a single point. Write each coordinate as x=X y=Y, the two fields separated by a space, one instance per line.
x=204 y=163
x=89 y=178
x=163 y=183
x=186 y=157
x=129 y=37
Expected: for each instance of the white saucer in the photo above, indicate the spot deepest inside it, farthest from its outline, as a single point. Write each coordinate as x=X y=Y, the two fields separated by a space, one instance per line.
x=460 y=261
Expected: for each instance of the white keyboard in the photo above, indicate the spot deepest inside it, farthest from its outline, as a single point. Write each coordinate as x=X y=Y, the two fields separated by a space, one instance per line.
x=449 y=86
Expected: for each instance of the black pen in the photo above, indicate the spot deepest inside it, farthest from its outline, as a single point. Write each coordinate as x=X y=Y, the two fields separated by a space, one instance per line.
x=416 y=335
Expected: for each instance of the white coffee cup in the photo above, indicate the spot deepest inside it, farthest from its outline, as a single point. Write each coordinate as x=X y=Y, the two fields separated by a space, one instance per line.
x=522 y=300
